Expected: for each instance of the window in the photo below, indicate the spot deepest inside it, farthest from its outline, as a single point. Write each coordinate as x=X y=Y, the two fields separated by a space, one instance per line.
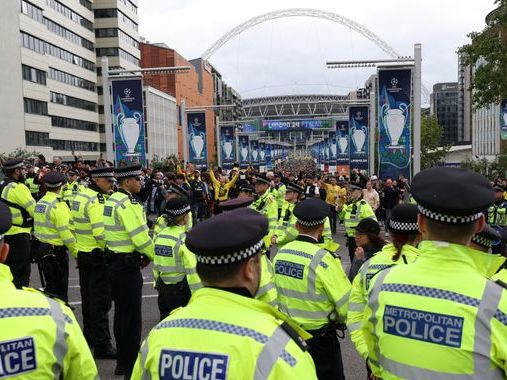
x=64 y=122
x=86 y=3
x=106 y=32
x=106 y=13
x=108 y=51
x=37 y=138
x=127 y=20
x=70 y=14
x=73 y=80
x=35 y=107
x=128 y=39
x=70 y=145
x=33 y=75
x=102 y=128
x=129 y=57
x=130 y=5
x=71 y=101
x=32 y=11
x=68 y=35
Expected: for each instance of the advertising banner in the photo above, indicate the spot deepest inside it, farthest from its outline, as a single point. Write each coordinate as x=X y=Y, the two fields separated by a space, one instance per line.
x=394 y=121
x=503 y=119
x=269 y=157
x=228 y=146
x=128 y=121
x=294 y=125
x=333 y=150
x=326 y=151
x=244 y=151
x=343 y=145
x=197 y=152
x=254 y=153
x=262 y=153
x=358 y=137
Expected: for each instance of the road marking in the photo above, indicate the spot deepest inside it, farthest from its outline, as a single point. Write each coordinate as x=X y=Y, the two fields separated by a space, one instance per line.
x=78 y=286
x=145 y=296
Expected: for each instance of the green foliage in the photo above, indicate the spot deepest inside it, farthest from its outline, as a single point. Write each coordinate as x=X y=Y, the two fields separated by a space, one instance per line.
x=432 y=153
x=488 y=55
x=167 y=164
x=490 y=169
x=20 y=153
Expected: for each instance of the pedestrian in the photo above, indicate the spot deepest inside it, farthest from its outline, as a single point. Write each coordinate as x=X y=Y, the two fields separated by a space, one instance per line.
x=265 y=203
x=497 y=213
x=332 y=198
x=224 y=333
x=371 y=196
x=391 y=199
x=17 y=196
x=87 y=213
x=52 y=228
x=403 y=250
x=313 y=289
x=198 y=197
x=174 y=266
x=446 y=290
x=130 y=248
x=39 y=336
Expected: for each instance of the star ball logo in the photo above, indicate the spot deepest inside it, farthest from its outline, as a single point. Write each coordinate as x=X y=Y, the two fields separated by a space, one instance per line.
x=128 y=98
x=358 y=116
x=394 y=82
x=127 y=92
x=394 y=85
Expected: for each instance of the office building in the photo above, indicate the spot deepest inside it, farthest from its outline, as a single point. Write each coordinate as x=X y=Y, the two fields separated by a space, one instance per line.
x=444 y=104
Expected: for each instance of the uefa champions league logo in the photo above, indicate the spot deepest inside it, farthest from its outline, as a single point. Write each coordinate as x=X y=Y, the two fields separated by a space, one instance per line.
x=394 y=82
x=127 y=92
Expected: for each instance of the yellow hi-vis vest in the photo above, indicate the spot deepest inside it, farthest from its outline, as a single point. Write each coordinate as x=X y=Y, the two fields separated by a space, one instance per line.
x=353 y=213
x=312 y=286
x=70 y=190
x=359 y=294
x=39 y=336
x=173 y=262
x=18 y=195
x=267 y=289
x=440 y=317
x=125 y=225
x=267 y=206
x=224 y=336
x=500 y=276
x=87 y=210
x=161 y=223
x=53 y=222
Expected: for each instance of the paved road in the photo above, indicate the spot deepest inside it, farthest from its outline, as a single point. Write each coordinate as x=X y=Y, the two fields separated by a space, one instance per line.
x=354 y=365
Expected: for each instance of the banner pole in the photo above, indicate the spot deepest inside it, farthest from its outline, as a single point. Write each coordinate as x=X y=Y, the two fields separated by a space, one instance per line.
x=108 y=118
x=373 y=125
x=218 y=140
x=417 y=108
x=184 y=130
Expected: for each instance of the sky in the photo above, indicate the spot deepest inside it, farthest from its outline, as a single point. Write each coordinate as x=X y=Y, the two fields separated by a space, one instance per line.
x=288 y=56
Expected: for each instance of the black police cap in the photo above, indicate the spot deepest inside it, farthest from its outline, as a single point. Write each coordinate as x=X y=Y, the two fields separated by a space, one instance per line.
x=229 y=237
x=488 y=237
x=355 y=186
x=177 y=189
x=451 y=195
x=5 y=219
x=246 y=189
x=404 y=219
x=235 y=203
x=291 y=186
x=368 y=226
x=104 y=172
x=262 y=178
x=13 y=163
x=128 y=171
x=54 y=179
x=177 y=206
x=311 y=212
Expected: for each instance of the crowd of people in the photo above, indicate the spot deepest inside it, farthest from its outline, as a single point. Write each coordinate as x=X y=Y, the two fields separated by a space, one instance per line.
x=248 y=271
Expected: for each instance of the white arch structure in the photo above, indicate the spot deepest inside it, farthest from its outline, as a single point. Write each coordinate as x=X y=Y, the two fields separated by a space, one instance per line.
x=300 y=12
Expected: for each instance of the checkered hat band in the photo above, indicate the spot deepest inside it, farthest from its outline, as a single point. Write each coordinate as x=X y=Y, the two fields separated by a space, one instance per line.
x=133 y=173
x=18 y=165
x=402 y=226
x=439 y=217
x=103 y=175
x=267 y=182
x=179 y=212
x=311 y=223
x=482 y=241
x=53 y=185
x=231 y=257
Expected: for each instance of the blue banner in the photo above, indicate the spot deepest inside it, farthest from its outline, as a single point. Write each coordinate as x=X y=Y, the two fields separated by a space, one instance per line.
x=333 y=150
x=503 y=119
x=262 y=153
x=394 y=121
x=269 y=158
x=128 y=121
x=254 y=153
x=326 y=151
x=227 y=146
x=358 y=137
x=198 y=155
x=343 y=145
x=244 y=151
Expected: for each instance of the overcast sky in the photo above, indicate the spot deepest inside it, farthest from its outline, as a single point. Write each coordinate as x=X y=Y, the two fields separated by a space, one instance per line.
x=287 y=56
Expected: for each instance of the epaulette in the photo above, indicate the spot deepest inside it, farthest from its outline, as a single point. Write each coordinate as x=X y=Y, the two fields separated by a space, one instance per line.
x=133 y=199
x=295 y=336
x=101 y=198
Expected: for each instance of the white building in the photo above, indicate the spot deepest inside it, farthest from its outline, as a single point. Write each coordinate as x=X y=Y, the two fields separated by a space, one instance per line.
x=161 y=123
x=486 y=132
x=48 y=81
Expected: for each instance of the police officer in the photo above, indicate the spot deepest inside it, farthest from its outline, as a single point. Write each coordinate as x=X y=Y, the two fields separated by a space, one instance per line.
x=280 y=189
x=484 y=240
x=87 y=210
x=130 y=247
x=174 y=266
x=174 y=191
x=405 y=236
x=39 y=336
x=352 y=213
x=497 y=214
x=224 y=333
x=313 y=289
x=22 y=205
x=52 y=228
x=32 y=181
x=72 y=187
x=440 y=317
x=265 y=202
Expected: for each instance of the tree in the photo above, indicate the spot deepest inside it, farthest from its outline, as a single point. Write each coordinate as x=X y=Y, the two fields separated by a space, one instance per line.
x=487 y=55
x=491 y=169
x=20 y=153
x=432 y=153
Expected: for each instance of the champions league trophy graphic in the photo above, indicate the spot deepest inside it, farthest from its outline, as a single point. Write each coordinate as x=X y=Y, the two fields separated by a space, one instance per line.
x=227 y=149
x=504 y=116
x=358 y=134
x=129 y=128
x=244 y=151
x=326 y=151
x=394 y=123
x=262 y=154
x=255 y=154
x=342 y=144
x=332 y=148
x=197 y=140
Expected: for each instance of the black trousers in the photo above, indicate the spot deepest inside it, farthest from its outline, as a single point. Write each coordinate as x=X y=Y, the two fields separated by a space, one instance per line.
x=55 y=267
x=332 y=218
x=95 y=298
x=19 y=258
x=126 y=285
x=172 y=296
x=351 y=245
x=326 y=354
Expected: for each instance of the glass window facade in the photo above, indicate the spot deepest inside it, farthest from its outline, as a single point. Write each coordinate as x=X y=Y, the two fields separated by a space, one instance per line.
x=70 y=14
x=33 y=75
x=70 y=79
x=71 y=101
x=64 y=122
x=35 y=107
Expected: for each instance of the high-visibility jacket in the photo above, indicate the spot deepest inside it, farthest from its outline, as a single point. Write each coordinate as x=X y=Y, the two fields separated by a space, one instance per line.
x=223 y=335
x=267 y=206
x=312 y=286
x=281 y=189
x=53 y=222
x=39 y=336
x=173 y=262
x=70 y=190
x=161 y=223
x=21 y=203
x=497 y=214
x=87 y=210
x=125 y=225
x=440 y=317
x=286 y=229
x=32 y=186
x=267 y=290
x=359 y=294
x=353 y=213
x=500 y=276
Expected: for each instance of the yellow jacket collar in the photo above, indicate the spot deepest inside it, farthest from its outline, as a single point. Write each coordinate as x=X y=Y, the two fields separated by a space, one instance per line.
x=5 y=277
